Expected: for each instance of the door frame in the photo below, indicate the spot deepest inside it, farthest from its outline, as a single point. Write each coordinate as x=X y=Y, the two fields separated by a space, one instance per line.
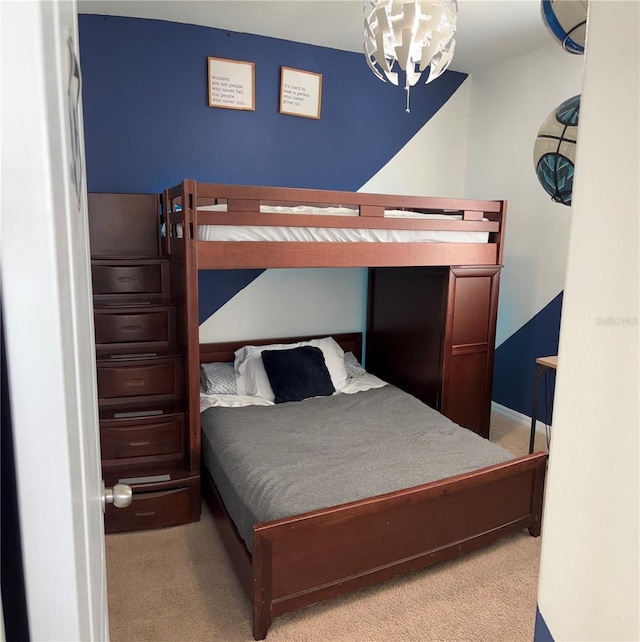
x=46 y=299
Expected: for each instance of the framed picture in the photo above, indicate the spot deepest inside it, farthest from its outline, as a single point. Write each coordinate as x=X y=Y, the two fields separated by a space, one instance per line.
x=300 y=92
x=231 y=84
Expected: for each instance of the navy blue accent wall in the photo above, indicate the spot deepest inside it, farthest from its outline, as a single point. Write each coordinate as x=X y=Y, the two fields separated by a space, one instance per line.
x=541 y=633
x=221 y=286
x=148 y=124
x=515 y=363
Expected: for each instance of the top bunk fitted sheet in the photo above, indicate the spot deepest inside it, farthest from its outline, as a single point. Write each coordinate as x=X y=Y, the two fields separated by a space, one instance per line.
x=291 y=458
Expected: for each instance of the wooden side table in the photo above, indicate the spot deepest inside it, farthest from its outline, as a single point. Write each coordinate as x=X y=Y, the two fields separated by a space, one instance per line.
x=543 y=364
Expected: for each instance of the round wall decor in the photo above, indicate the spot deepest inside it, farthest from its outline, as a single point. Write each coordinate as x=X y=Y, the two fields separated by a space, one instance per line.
x=554 y=151
x=567 y=22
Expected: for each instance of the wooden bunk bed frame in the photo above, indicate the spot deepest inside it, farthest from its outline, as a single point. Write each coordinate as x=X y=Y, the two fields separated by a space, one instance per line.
x=307 y=558
x=179 y=213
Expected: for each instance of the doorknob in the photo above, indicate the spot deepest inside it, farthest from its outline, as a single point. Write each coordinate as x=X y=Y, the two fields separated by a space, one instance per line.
x=120 y=496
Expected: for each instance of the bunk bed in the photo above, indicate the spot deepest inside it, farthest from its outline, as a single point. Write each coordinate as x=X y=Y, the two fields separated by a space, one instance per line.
x=301 y=559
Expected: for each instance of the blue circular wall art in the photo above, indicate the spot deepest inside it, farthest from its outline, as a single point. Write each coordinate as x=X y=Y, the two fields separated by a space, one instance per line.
x=554 y=151
x=567 y=22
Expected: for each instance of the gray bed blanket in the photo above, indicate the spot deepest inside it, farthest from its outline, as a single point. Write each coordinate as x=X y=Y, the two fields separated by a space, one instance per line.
x=291 y=458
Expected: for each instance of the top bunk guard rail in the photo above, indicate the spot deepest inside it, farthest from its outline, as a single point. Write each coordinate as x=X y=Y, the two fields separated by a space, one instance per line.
x=240 y=206
x=300 y=196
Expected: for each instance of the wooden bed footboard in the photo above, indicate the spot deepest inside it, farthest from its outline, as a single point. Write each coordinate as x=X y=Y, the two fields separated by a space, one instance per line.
x=320 y=555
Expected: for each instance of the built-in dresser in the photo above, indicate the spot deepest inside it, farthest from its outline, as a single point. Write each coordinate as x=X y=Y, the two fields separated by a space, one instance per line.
x=431 y=331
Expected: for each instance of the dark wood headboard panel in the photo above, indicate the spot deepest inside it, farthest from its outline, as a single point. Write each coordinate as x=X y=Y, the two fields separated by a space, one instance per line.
x=210 y=352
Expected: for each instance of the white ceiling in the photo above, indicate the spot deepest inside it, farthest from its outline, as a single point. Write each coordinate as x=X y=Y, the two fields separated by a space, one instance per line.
x=489 y=31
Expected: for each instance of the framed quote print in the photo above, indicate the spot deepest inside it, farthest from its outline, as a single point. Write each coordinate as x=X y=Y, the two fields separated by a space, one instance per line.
x=231 y=84
x=300 y=92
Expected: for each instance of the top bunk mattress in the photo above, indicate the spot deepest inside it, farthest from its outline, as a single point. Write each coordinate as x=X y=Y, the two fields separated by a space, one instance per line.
x=334 y=234
x=292 y=458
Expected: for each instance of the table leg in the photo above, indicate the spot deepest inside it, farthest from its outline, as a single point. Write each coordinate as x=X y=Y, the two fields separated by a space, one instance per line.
x=534 y=411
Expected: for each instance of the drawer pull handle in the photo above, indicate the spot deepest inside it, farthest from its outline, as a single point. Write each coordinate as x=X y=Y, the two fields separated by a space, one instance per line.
x=126 y=279
x=148 y=513
x=135 y=382
x=140 y=442
x=131 y=328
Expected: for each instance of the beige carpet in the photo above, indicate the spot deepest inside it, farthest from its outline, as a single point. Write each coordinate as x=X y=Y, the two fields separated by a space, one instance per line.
x=176 y=584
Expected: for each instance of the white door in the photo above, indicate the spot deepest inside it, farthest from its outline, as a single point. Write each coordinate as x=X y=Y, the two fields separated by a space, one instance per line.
x=46 y=300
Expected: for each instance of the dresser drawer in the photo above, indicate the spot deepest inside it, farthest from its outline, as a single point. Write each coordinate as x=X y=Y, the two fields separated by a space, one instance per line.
x=155 y=326
x=142 y=378
x=155 y=509
x=140 y=278
x=148 y=438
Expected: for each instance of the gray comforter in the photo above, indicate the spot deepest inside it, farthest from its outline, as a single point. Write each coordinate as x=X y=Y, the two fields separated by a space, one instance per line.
x=291 y=458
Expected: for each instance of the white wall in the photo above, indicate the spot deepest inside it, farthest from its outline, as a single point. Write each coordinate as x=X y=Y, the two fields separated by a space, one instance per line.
x=433 y=162
x=589 y=571
x=509 y=102
x=282 y=303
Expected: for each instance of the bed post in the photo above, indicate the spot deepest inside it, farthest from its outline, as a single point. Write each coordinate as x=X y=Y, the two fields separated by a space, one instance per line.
x=189 y=207
x=262 y=597
x=499 y=236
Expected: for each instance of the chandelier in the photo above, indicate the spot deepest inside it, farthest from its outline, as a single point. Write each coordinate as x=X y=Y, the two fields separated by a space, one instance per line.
x=411 y=35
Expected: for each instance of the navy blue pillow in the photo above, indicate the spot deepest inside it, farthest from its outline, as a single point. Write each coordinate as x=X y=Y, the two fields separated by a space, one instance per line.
x=297 y=373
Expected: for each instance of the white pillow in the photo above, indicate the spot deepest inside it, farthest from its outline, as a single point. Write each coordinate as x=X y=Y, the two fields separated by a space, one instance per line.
x=252 y=379
x=231 y=401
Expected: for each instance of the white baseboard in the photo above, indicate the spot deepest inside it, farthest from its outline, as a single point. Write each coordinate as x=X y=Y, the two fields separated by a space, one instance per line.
x=518 y=416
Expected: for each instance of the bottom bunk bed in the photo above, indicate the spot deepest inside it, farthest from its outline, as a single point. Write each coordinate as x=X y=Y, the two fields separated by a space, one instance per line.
x=318 y=497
